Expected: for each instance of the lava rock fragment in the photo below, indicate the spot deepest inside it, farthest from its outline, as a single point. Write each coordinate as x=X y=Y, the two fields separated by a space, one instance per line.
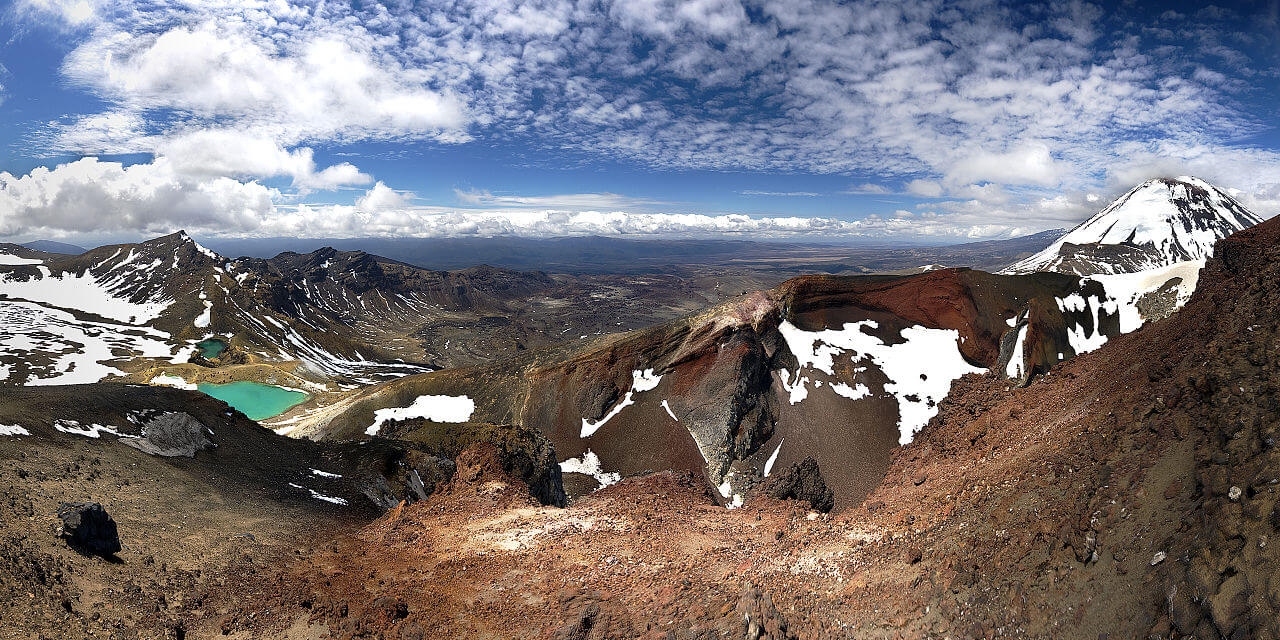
x=86 y=525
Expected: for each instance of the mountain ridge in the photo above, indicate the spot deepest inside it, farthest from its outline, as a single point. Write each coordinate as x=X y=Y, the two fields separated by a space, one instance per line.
x=731 y=391
x=1157 y=223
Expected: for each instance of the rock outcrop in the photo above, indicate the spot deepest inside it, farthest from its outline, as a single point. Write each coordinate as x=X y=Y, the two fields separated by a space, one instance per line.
x=170 y=433
x=802 y=481
x=523 y=452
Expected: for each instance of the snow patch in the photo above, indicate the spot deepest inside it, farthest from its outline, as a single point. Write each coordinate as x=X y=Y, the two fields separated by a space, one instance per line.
x=82 y=292
x=671 y=413
x=920 y=369
x=1125 y=289
x=58 y=348
x=796 y=390
x=90 y=431
x=768 y=464
x=1014 y=368
x=641 y=381
x=8 y=259
x=1122 y=293
x=644 y=380
x=589 y=464
x=202 y=320
x=166 y=380
x=319 y=496
x=856 y=392
x=13 y=430
x=434 y=408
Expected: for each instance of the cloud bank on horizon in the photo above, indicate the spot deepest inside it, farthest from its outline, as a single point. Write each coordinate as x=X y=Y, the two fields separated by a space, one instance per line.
x=972 y=119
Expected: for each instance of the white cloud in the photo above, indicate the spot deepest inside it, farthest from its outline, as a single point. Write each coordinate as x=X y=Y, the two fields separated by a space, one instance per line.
x=75 y=13
x=175 y=79
x=1028 y=164
x=1011 y=114
x=341 y=221
x=307 y=86
x=924 y=188
x=92 y=196
x=869 y=188
x=781 y=194
x=572 y=201
x=235 y=153
x=382 y=198
x=117 y=131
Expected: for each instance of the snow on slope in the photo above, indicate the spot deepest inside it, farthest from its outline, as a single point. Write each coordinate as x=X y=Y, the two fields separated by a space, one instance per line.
x=10 y=259
x=52 y=346
x=1157 y=223
x=920 y=369
x=67 y=326
x=641 y=381
x=1136 y=297
x=434 y=408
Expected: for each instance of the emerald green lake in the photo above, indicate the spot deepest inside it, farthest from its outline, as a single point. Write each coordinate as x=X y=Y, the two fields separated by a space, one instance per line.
x=256 y=400
x=211 y=348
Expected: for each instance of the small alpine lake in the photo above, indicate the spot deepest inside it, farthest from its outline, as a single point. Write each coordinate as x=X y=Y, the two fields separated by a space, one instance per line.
x=256 y=400
x=211 y=348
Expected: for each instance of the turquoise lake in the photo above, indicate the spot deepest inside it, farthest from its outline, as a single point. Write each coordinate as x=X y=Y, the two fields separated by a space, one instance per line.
x=256 y=400
x=211 y=348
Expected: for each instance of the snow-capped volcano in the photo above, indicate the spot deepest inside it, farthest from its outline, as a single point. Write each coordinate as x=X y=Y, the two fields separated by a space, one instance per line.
x=1157 y=223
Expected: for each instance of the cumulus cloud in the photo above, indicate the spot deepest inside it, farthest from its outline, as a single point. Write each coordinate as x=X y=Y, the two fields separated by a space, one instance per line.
x=175 y=77
x=92 y=196
x=382 y=198
x=1022 y=165
x=311 y=85
x=230 y=152
x=347 y=221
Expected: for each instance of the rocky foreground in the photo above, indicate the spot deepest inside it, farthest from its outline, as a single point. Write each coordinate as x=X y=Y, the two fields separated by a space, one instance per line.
x=1129 y=492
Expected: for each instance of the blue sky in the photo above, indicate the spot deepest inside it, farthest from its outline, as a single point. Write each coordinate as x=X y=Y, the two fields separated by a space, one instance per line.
x=646 y=118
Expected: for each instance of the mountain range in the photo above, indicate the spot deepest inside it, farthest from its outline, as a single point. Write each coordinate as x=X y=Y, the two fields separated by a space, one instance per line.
x=1092 y=421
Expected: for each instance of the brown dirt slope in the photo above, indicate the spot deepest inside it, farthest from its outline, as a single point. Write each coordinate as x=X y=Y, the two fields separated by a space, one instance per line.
x=246 y=501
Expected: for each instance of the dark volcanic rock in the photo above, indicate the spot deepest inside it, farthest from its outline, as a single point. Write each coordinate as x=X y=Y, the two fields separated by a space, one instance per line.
x=395 y=472
x=524 y=452
x=87 y=526
x=802 y=481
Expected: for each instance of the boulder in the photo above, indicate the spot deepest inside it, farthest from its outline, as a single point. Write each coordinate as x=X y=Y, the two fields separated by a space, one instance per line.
x=802 y=481
x=87 y=526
